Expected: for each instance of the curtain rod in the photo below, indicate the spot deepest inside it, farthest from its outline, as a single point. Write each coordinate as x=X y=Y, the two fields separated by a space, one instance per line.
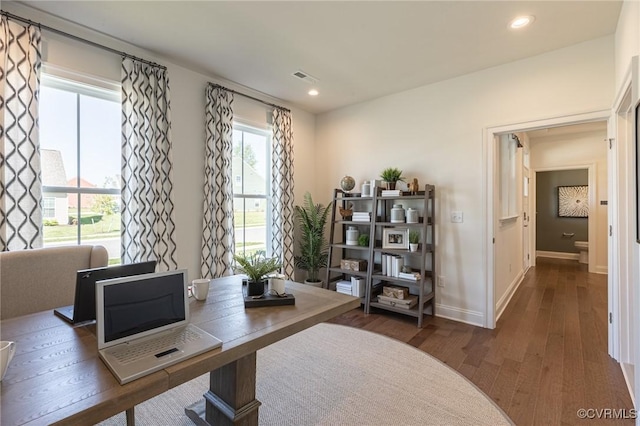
x=249 y=96
x=80 y=39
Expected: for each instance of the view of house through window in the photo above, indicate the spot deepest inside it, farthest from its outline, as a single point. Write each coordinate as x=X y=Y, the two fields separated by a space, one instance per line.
x=251 y=193
x=80 y=141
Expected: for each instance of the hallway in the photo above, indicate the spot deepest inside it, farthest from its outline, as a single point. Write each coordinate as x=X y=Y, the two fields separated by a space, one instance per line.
x=546 y=359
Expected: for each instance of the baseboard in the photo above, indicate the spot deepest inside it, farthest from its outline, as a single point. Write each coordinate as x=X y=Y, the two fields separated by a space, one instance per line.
x=463 y=315
x=506 y=298
x=558 y=255
x=627 y=373
x=601 y=269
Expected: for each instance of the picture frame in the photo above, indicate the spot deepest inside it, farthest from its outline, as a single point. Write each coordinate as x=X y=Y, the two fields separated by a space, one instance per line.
x=395 y=238
x=573 y=201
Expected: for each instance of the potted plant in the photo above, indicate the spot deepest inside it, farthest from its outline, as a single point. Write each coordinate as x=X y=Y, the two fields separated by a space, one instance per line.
x=314 y=254
x=414 y=239
x=257 y=267
x=363 y=240
x=391 y=175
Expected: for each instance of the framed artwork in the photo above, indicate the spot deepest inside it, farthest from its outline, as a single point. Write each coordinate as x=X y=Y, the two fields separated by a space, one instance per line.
x=395 y=238
x=573 y=201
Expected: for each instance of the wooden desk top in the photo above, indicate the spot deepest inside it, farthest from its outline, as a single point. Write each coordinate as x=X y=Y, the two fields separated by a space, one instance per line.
x=56 y=374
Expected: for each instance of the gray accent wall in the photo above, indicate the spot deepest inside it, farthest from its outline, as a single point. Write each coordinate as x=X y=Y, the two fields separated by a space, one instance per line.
x=550 y=227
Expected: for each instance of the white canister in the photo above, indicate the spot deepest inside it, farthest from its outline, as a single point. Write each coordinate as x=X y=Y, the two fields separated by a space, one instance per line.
x=397 y=214
x=352 y=236
x=412 y=215
x=366 y=189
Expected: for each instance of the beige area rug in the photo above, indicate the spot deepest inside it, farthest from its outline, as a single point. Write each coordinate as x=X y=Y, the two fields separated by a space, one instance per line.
x=337 y=375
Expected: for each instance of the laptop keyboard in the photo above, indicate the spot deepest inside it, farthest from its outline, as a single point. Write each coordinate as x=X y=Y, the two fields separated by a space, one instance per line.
x=138 y=351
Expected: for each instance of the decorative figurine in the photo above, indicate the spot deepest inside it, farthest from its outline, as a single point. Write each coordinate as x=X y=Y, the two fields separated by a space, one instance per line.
x=413 y=186
x=346 y=212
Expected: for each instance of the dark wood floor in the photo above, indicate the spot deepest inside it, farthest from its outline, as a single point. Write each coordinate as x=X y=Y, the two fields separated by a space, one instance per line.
x=547 y=356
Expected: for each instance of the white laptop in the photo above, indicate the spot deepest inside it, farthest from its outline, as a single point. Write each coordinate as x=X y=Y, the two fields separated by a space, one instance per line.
x=143 y=324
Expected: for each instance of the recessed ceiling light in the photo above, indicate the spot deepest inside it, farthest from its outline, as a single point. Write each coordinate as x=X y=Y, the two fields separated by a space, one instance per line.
x=521 y=21
x=313 y=92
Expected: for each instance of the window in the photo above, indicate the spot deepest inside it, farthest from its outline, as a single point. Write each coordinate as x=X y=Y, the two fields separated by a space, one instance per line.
x=80 y=141
x=251 y=189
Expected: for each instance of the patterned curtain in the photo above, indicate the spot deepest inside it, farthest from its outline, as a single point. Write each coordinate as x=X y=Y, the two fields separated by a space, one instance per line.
x=218 y=242
x=20 y=175
x=282 y=190
x=148 y=227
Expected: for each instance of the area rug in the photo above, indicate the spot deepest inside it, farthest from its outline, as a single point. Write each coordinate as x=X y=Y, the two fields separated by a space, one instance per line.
x=337 y=375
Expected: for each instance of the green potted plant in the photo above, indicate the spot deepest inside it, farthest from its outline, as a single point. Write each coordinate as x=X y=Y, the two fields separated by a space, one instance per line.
x=363 y=240
x=414 y=239
x=311 y=219
x=391 y=175
x=257 y=267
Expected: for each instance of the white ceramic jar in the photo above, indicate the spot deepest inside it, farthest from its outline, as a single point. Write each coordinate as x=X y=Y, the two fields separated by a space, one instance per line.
x=352 y=236
x=412 y=215
x=397 y=214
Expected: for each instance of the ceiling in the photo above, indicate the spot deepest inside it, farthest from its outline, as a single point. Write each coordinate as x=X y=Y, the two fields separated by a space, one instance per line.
x=358 y=50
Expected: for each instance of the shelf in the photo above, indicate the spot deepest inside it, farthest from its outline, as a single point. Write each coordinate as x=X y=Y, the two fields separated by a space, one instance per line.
x=402 y=251
x=344 y=246
x=401 y=280
x=348 y=271
x=352 y=222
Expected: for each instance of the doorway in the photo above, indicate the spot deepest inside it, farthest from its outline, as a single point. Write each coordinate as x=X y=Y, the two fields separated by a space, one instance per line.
x=495 y=240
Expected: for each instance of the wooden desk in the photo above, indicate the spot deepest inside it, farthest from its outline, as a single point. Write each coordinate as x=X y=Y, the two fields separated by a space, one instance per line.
x=57 y=377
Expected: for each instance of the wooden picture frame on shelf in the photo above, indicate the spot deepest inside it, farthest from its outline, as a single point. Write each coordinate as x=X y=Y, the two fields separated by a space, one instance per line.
x=395 y=238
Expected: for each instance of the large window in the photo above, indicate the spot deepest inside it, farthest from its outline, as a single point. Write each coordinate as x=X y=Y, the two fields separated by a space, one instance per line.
x=251 y=189
x=80 y=141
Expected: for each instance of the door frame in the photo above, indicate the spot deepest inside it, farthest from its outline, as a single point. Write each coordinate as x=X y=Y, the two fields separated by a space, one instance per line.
x=490 y=177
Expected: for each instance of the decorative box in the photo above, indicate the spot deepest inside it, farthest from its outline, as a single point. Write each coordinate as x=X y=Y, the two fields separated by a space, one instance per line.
x=407 y=303
x=353 y=264
x=395 y=292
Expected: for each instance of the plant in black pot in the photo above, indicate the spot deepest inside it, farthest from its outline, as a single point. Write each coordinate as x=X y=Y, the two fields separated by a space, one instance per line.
x=311 y=219
x=257 y=267
x=391 y=175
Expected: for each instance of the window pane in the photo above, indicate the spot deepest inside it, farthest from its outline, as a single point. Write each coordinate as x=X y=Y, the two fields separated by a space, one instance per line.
x=250 y=219
x=100 y=223
x=100 y=136
x=255 y=164
x=58 y=137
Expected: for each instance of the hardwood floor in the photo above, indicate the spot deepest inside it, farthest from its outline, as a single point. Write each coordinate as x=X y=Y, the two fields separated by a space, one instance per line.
x=547 y=357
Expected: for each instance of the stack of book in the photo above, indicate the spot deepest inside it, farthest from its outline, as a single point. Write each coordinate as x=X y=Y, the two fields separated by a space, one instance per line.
x=413 y=276
x=391 y=265
x=361 y=217
x=357 y=286
x=343 y=287
x=391 y=193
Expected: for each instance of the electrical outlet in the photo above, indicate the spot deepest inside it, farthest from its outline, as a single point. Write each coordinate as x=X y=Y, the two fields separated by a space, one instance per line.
x=440 y=280
x=456 y=216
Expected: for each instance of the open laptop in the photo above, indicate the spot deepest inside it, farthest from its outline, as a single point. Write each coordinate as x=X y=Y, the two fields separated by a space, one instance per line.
x=142 y=324
x=84 y=303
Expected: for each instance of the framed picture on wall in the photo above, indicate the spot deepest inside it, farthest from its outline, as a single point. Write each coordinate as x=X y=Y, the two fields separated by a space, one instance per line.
x=573 y=201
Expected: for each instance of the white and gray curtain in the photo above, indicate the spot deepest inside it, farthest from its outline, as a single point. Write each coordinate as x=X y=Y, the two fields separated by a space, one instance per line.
x=20 y=172
x=148 y=226
x=282 y=190
x=217 y=229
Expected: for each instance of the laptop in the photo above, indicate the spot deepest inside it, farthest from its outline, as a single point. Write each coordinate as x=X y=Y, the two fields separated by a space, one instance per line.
x=142 y=324
x=84 y=304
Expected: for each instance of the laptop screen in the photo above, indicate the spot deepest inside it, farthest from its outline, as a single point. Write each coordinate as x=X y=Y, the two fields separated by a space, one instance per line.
x=137 y=306
x=85 y=299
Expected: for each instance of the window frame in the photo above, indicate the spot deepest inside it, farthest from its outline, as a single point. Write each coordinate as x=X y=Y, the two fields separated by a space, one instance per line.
x=267 y=134
x=77 y=84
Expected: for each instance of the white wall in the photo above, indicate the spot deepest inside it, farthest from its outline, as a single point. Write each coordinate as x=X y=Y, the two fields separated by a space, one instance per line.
x=580 y=149
x=435 y=133
x=187 y=109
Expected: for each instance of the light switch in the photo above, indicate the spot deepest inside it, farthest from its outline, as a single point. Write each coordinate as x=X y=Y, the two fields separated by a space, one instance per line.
x=456 y=216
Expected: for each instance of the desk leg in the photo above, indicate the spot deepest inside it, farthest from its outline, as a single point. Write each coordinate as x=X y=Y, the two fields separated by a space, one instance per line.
x=231 y=399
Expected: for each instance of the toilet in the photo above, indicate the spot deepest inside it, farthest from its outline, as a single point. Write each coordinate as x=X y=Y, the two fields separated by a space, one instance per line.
x=583 y=246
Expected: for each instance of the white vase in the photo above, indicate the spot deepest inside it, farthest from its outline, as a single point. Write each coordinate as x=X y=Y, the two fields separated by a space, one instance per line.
x=413 y=246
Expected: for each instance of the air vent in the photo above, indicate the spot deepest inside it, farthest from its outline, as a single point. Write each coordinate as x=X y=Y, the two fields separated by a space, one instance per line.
x=305 y=77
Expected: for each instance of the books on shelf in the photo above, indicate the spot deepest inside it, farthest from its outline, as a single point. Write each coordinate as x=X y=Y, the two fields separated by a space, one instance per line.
x=413 y=276
x=343 y=287
x=391 y=265
x=361 y=217
x=391 y=193
x=358 y=286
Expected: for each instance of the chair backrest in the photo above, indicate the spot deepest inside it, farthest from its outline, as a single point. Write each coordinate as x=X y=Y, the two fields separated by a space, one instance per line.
x=39 y=279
